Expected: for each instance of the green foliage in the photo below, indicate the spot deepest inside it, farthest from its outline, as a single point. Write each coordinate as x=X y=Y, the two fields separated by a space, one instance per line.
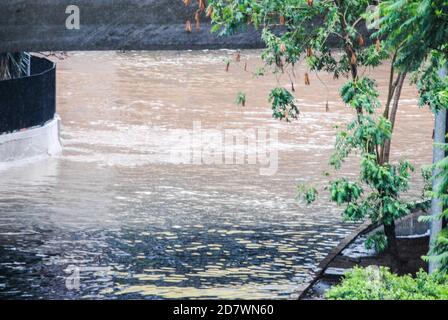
x=377 y=241
x=432 y=86
x=241 y=99
x=259 y=72
x=290 y=32
x=361 y=95
x=374 y=283
x=307 y=194
x=283 y=105
x=344 y=191
x=419 y=29
x=415 y=27
x=427 y=180
x=384 y=181
x=388 y=179
x=439 y=249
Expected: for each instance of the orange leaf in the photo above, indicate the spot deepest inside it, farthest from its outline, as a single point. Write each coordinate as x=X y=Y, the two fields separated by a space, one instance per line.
x=282 y=20
x=188 y=26
x=361 y=41
x=209 y=12
x=197 y=18
x=282 y=47
x=238 y=57
x=378 y=45
x=309 y=52
x=307 y=79
x=353 y=59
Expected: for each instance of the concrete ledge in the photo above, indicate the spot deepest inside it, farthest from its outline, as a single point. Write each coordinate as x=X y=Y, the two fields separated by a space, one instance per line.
x=320 y=269
x=31 y=144
x=405 y=227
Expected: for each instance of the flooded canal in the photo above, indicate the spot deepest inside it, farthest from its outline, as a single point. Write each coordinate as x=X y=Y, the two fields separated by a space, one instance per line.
x=114 y=217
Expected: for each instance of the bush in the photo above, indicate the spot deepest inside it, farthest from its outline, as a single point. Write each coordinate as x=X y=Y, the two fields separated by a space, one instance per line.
x=377 y=241
x=373 y=283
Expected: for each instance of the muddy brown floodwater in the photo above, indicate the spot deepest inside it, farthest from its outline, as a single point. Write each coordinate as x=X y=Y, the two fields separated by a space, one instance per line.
x=114 y=217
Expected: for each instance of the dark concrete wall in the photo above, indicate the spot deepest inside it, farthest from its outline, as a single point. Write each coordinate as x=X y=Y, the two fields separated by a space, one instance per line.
x=39 y=25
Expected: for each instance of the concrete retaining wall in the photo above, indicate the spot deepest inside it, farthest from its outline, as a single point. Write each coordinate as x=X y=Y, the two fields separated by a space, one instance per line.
x=29 y=145
x=30 y=25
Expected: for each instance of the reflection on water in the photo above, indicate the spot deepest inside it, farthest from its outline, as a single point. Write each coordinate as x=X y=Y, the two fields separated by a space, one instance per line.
x=113 y=210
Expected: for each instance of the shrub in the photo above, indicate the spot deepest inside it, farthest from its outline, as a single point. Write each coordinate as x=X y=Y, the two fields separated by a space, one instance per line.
x=373 y=283
x=377 y=241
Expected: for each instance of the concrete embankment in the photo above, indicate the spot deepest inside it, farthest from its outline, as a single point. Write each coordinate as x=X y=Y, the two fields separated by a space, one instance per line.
x=29 y=25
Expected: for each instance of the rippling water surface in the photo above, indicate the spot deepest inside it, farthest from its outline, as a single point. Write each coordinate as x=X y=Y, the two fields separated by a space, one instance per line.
x=116 y=211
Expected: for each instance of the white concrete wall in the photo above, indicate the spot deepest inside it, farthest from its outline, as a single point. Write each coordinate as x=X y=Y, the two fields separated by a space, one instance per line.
x=30 y=145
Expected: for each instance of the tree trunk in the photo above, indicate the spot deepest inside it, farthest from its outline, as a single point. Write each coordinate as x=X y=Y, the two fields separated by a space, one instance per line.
x=389 y=230
x=393 y=114
x=438 y=155
x=392 y=86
